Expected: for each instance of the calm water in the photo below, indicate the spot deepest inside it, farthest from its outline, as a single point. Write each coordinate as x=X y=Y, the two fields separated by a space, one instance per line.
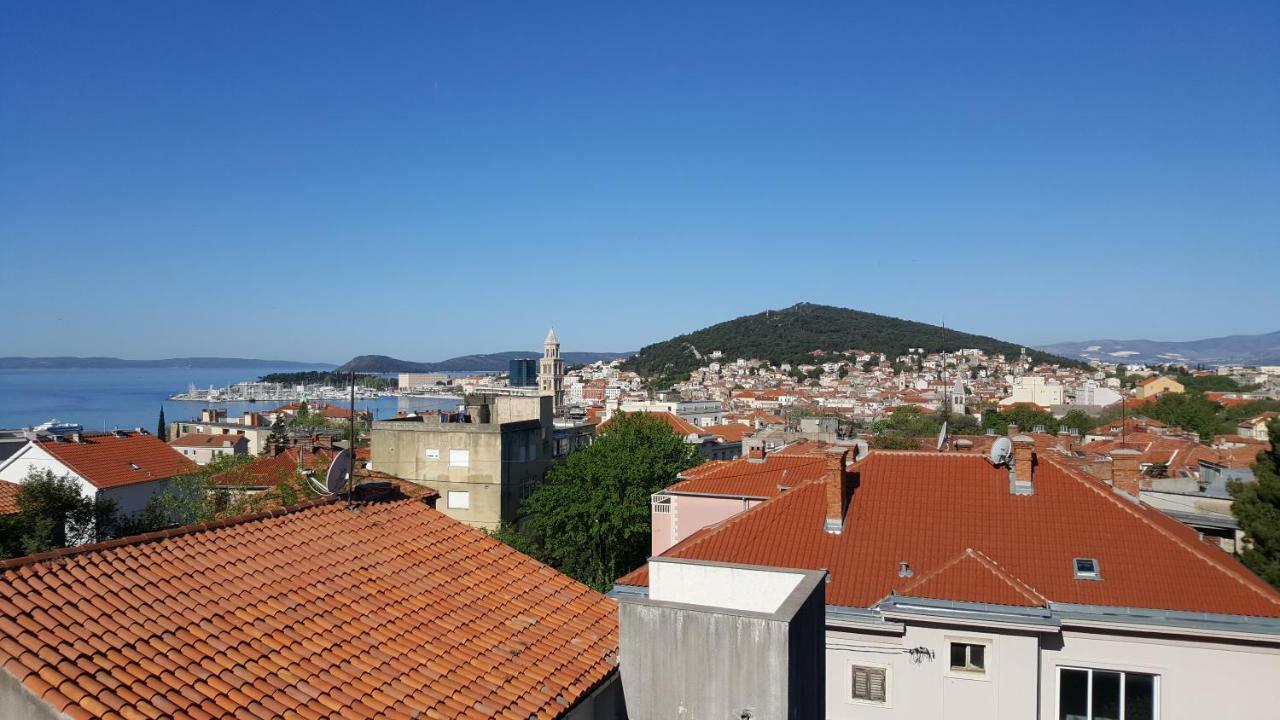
x=129 y=398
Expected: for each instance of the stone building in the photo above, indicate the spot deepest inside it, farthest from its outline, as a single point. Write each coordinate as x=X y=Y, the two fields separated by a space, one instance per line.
x=551 y=372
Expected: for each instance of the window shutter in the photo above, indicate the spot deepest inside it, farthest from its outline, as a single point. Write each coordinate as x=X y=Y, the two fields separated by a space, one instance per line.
x=876 y=682
x=868 y=683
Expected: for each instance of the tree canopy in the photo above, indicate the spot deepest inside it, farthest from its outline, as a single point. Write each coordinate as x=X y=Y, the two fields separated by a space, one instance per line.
x=53 y=512
x=589 y=518
x=1257 y=508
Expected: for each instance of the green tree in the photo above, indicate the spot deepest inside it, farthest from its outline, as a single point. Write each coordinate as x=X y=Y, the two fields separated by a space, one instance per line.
x=881 y=441
x=589 y=518
x=1257 y=509
x=162 y=430
x=53 y=512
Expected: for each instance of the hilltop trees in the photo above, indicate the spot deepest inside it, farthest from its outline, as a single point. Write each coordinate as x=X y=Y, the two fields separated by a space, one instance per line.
x=1257 y=508
x=590 y=516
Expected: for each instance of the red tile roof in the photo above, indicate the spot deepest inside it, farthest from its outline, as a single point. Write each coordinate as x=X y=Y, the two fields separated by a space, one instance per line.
x=269 y=471
x=107 y=460
x=732 y=432
x=742 y=478
x=681 y=426
x=200 y=440
x=9 y=497
x=326 y=610
x=929 y=509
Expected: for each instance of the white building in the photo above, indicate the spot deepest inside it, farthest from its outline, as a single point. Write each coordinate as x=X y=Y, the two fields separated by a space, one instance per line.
x=1035 y=389
x=127 y=467
x=957 y=589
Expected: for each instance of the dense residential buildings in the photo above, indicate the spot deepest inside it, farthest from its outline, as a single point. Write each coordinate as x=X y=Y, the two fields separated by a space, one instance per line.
x=483 y=460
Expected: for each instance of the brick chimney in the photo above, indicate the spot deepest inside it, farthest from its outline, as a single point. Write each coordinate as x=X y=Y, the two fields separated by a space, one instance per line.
x=755 y=449
x=1023 y=474
x=1013 y=429
x=839 y=488
x=1125 y=477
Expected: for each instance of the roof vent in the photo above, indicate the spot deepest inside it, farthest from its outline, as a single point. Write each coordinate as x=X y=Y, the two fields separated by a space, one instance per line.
x=1087 y=569
x=904 y=569
x=134 y=466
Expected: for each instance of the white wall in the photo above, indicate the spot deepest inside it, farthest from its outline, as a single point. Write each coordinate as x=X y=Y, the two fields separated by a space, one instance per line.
x=928 y=689
x=735 y=588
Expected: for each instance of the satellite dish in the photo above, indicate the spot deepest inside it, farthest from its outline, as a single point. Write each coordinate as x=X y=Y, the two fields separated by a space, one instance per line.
x=942 y=435
x=339 y=472
x=1001 y=451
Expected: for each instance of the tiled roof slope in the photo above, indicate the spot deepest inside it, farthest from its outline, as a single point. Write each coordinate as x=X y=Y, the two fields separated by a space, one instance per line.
x=742 y=478
x=376 y=610
x=272 y=470
x=8 y=497
x=108 y=460
x=928 y=508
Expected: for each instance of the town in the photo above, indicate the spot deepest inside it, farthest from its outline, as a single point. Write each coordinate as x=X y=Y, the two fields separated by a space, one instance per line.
x=912 y=523
x=639 y=361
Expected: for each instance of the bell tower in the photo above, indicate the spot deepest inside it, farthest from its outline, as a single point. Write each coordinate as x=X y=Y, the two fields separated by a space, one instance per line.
x=551 y=372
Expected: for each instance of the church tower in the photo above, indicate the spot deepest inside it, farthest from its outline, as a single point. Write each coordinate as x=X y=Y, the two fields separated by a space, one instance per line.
x=551 y=372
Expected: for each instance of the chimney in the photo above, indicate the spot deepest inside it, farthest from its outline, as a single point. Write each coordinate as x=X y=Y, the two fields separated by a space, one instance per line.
x=755 y=450
x=839 y=488
x=1024 y=460
x=1013 y=429
x=1125 y=478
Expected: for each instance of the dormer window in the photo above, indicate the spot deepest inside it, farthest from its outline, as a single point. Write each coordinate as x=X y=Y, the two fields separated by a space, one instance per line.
x=1087 y=569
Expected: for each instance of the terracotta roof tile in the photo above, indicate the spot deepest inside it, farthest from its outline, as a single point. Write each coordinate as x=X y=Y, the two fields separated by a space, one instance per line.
x=199 y=440
x=108 y=460
x=321 y=611
x=929 y=509
x=8 y=497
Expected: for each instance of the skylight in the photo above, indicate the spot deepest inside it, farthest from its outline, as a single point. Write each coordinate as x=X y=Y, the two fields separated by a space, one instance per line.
x=1087 y=569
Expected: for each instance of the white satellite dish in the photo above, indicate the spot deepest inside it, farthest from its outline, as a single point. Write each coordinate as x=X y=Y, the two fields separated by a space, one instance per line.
x=339 y=472
x=1001 y=451
x=942 y=435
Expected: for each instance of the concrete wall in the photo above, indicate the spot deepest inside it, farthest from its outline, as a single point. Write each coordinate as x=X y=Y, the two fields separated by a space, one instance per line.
x=16 y=701
x=683 y=658
x=506 y=457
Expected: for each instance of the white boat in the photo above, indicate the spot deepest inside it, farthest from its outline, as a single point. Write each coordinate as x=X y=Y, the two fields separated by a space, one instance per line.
x=53 y=427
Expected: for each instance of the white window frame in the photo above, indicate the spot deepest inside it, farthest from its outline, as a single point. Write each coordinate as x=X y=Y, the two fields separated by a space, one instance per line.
x=462 y=502
x=888 y=684
x=459 y=458
x=988 y=657
x=1124 y=674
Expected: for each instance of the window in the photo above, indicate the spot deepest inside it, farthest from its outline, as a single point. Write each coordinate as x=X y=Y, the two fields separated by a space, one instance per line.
x=1087 y=694
x=969 y=657
x=460 y=458
x=1087 y=569
x=869 y=683
x=431 y=454
x=459 y=500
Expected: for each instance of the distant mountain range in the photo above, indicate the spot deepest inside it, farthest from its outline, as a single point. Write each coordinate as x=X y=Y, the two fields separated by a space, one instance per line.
x=790 y=335
x=464 y=363
x=60 y=363
x=1229 y=350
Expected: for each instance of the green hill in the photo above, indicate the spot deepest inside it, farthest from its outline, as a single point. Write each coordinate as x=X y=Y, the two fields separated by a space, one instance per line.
x=790 y=335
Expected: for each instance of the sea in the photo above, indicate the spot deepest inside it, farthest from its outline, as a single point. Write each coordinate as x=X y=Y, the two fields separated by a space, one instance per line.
x=109 y=398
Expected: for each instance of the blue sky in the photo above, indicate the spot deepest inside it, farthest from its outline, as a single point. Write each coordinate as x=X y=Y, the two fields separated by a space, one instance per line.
x=424 y=179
